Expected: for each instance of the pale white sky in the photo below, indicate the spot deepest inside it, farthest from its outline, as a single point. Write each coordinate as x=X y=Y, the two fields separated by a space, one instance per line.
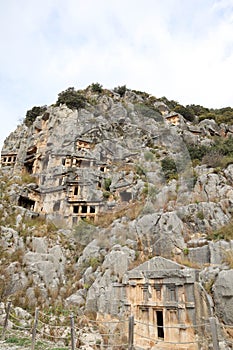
x=181 y=49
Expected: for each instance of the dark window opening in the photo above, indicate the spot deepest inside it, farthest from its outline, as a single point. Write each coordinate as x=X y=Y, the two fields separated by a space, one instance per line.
x=125 y=196
x=45 y=162
x=42 y=180
x=31 y=150
x=102 y=168
x=102 y=157
x=31 y=155
x=9 y=159
x=4 y=159
x=29 y=167
x=75 y=190
x=63 y=161
x=84 y=209
x=68 y=162
x=92 y=210
x=26 y=203
x=159 y=315
x=75 y=209
x=85 y=164
x=56 y=206
x=45 y=116
x=99 y=184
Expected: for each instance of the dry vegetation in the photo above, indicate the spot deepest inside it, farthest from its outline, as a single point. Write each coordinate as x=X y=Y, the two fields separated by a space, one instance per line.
x=228 y=258
x=131 y=211
x=225 y=232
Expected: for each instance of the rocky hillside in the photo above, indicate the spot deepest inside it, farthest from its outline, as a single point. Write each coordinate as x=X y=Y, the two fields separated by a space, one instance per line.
x=103 y=181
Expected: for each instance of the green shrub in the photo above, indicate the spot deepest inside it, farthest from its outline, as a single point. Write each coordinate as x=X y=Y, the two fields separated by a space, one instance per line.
x=169 y=168
x=94 y=262
x=72 y=98
x=186 y=251
x=106 y=194
x=141 y=93
x=120 y=90
x=200 y=215
x=186 y=112
x=224 y=146
x=197 y=109
x=221 y=115
x=149 y=156
x=145 y=189
x=170 y=103
x=139 y=170
x=96 y=87
x=33 y=113
x=220 y=154
x=197 y=152
x=107 y=184
x=152 y=192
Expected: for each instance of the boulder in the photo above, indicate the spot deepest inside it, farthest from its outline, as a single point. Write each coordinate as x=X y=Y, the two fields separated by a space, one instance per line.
x=223 y=296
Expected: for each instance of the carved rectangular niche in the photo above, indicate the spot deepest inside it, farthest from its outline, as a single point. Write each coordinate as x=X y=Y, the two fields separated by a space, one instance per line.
x=78 y=162
x=8 y=160
x=84 y=211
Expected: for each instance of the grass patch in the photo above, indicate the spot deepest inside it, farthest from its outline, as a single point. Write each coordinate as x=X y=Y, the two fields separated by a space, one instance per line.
x=228 y=258
x=188 y=263
x=208 y=285
x=26 y=342
x=225 y=232
x=19 y=341
x=132 y=211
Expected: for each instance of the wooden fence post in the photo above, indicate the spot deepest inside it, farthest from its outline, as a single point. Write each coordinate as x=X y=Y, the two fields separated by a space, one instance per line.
x=6 y=320
x=34 y=329
x=214 y=332
x=131 y=332
x=72 y=330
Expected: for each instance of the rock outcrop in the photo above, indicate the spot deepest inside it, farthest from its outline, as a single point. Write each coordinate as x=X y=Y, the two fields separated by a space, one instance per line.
x=89 y=194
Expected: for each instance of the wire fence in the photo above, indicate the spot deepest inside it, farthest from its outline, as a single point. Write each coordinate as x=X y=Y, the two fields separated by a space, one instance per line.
x=44 y=331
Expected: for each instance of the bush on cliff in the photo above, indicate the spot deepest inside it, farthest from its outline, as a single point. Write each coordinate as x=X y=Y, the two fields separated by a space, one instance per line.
x=72 y=98
x=33 y=113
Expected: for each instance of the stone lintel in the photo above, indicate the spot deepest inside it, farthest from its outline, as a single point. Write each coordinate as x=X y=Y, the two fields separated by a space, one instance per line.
x=10 y=153
x=51 y=189
x=187 y=276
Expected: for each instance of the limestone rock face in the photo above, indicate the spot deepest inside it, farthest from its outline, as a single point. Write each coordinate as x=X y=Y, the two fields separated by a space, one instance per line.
x=100 y=296
x=223 y=296
x=89 y=194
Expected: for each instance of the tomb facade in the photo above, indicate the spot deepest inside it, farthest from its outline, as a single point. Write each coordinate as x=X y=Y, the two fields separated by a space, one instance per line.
x=168 y=304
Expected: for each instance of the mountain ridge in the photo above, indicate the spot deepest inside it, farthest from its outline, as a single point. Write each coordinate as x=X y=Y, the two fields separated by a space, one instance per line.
x=90 y=191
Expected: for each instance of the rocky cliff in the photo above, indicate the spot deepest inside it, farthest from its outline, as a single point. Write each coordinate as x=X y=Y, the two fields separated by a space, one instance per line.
x=89 y=193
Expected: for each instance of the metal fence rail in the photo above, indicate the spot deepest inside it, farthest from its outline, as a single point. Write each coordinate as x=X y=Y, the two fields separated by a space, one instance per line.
x=119 y=334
